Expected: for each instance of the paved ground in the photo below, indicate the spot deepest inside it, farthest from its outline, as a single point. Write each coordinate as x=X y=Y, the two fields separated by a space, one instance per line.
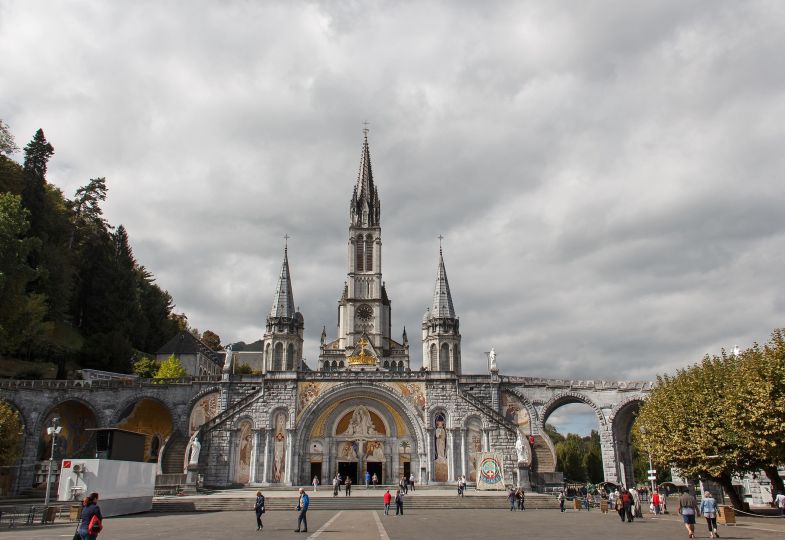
x=374 y=525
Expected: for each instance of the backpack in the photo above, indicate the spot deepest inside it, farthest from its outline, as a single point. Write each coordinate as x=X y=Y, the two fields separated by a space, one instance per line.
x=94 y=527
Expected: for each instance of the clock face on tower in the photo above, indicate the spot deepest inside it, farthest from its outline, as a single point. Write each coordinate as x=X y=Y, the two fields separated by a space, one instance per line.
x=364 y=312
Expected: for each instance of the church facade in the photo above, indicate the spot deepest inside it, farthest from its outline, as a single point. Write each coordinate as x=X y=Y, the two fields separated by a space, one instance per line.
x=367 y=405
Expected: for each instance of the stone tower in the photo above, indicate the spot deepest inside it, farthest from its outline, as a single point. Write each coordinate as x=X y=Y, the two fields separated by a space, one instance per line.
x=441 y=338
x=283 y=336
x=364 y=318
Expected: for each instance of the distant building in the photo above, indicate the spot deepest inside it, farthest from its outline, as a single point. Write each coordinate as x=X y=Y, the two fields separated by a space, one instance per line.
x=197 y=358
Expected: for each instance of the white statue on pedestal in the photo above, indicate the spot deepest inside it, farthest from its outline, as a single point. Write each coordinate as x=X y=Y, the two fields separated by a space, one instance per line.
x=492 y=360
x=196 y=448
x=228 y=359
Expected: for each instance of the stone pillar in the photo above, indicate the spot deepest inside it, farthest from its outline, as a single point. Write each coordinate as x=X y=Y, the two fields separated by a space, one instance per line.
x=327 y=468
x=429 y=449
x=266 y=470
x=289 y=472
x=255 y=455
x=486 y=440
x=463 y=452
x=450 y=456
x=610 y=464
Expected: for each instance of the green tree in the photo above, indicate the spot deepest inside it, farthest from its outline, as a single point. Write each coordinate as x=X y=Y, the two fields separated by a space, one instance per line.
x=592 y=459
x=10 y=435
x=212 y=340
x=146 y=367
x=569 y=456
x=553 y=433
x=7 y=143
x=244 y=369
x=171 y=368
x=757 y=405
x=22 y=313
x=687 y=424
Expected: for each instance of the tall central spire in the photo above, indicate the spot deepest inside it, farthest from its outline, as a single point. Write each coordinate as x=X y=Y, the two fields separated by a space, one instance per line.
x=283 y=301
x=442 y=299
x=364 y=208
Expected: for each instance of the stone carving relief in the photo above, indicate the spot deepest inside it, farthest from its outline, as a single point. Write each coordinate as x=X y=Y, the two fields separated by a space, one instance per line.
x=279 y=448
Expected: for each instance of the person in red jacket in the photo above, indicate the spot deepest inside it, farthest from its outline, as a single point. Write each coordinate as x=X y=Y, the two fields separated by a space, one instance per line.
x=387 y=500
x=655 y=502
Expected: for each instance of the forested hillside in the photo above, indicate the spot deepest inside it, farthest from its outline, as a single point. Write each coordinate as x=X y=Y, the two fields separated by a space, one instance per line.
x=71 y=291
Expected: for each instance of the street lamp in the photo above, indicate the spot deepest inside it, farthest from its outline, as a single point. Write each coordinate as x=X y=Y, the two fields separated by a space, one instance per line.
x=651 y=474
x=53 y=430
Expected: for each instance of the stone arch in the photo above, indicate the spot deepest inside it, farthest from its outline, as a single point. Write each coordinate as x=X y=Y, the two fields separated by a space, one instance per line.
x=566 y=398
x=149 y=415
x=318 y=415
x=433 y=356
x=444 y=357
x=76 y=416
x=268 y=365
x=278 y=357
x=369 y=253
x=621 y=421
x=358 y=253
x=290 y=357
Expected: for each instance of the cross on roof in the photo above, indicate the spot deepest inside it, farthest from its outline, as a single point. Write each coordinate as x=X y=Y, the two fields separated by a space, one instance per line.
x=440 y=237
x=366 y=123
x=286 y=238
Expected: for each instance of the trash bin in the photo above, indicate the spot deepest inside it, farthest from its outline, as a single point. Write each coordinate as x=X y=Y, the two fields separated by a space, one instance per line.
x=577 y=503
x=49 y=514
x=604 y=506
x=726 y=515
x=74 y=512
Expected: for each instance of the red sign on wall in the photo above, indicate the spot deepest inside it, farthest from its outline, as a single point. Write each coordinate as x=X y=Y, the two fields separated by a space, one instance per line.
x=67 y=464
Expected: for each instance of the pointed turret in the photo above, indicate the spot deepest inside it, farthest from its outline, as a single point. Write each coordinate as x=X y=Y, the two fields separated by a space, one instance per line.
x=441 y=337
x=283 y=301
x=283 y=337
x=364 y=208
x=442 y=299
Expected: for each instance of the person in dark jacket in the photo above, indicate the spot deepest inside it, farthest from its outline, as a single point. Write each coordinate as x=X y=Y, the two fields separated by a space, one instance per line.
x=90 y=510
x=398 y=502
x=259 y=509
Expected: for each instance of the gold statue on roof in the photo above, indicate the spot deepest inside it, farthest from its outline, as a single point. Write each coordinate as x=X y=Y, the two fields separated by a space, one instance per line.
x=362 y=359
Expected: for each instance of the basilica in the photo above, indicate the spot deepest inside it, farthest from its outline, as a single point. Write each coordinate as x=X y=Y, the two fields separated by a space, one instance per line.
x=365 y=406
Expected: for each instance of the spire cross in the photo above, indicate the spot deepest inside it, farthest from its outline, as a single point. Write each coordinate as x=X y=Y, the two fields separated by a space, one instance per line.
x=365 y=127
x=286 y=238
x=440 y=237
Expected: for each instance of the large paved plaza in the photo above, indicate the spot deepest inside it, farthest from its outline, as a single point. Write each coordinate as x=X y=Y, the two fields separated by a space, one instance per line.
x=374 y=525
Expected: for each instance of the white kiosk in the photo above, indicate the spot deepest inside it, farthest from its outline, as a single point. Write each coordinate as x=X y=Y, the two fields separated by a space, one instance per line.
x=124 y=482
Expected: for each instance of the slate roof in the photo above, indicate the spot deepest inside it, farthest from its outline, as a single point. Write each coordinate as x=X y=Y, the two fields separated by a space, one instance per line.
x=187 y=343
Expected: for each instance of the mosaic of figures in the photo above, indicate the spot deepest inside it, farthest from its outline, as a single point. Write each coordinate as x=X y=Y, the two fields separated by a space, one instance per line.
x=244 y=452
x=516 y=412
x=440 y=444
x=205 y=409
x=473 y=446
x=279 y=448
x=412 y=393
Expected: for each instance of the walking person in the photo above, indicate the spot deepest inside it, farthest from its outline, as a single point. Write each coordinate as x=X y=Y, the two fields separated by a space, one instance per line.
x=561 y=501
x=709 y=511
x=619 y=506
x=348 y=484
x=779 y=502
x=655 y=502
x=259 y=509
x=688 y=507
x=402 y=484
x=522 y=500
x=340 y=482
x=302 y=507
x=589 y=501
x=374 y=480
x=636 y=503
x=92 y=520
x=398 y=503
x=336 y=486
x=367 y=479
x=387 y=500
x=315 y=482
x=411 y=481
x=626 y=499
x=511 y=499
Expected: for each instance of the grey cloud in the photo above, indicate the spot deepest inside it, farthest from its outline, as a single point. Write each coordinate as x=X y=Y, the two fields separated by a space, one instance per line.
x=607 y=175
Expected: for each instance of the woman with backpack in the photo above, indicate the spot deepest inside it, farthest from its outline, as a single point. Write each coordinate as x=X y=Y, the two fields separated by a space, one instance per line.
x=91 y=523
x=259 y=509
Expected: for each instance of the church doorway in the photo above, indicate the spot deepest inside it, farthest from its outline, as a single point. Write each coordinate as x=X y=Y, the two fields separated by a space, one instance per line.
x=316 y=470
x=375 y=467
x=407 y=470
x=348 y=469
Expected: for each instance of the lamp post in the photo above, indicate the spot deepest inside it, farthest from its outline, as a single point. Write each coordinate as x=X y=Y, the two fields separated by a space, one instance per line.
x=650 y=474
x=53 y=430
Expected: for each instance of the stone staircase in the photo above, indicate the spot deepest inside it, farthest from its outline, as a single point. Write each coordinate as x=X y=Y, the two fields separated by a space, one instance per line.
x=487 y=409
x=175 y=455
x=232 y=410
x=534 y=501
x=543 y=455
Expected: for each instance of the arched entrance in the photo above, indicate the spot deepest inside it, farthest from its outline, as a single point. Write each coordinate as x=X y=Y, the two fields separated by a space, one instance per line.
x=623 y=420
x=151 y=417
x=572 y=425
x=355 y=430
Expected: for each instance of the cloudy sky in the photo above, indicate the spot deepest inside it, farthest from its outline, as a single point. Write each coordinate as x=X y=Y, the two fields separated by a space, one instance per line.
x=608 y=176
